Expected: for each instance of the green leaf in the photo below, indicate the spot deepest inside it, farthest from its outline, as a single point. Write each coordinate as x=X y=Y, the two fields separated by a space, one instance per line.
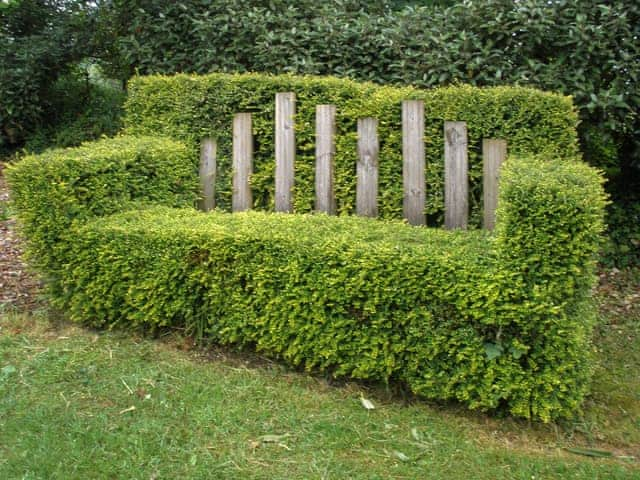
x=7 y=371
x=589 y=452
x=492 y=350
x=516 y=352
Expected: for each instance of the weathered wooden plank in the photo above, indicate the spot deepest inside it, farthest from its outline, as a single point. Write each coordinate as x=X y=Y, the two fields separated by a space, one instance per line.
x=367 y=168
x=456 y=183
x=494 y=152
x=325 y=154
x=208 y=160
x=413 y=162
x=285 y=150
x=242 y=162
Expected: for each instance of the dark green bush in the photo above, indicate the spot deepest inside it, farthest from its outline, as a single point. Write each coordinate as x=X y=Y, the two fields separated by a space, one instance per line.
x=192 y=107
x=40 y=41
x=586 y=49
x=623 y=232
x=61 y=188
x=80 y=109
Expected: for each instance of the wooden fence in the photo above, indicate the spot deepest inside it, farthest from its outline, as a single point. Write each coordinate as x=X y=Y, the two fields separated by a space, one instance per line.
x=456 y=188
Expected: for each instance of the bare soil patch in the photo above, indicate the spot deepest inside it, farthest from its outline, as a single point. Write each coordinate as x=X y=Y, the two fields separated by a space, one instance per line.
x=19 y=286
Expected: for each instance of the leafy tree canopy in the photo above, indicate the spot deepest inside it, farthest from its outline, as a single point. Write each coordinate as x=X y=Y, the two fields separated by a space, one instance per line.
x=39 y=41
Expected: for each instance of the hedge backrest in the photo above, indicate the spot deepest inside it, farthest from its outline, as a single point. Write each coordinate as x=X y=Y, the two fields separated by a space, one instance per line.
x=190 y=108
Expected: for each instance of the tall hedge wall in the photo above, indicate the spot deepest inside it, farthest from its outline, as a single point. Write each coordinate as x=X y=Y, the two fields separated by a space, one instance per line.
x=189 y=108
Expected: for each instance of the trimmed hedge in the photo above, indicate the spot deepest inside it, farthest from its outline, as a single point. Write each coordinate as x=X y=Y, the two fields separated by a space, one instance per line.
x=495 y=321
x=547 y=238
x=59 y=189
x=190 y=108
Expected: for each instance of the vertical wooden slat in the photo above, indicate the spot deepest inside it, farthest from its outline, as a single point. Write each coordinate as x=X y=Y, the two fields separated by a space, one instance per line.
x=208 y=152
x=285 y=150
x=325 y=154
x=494 y=153
x=367 y=168
x=413 y=161
x=456 y=183
x=242 y=162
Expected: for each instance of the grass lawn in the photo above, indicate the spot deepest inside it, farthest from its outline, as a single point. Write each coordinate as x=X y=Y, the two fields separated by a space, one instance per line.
x=76 y=403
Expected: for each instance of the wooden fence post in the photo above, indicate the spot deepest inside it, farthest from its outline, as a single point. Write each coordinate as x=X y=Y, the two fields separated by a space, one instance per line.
x=285 y=150
x=413 y=162
x=242 y=162
x=325 y=154
x=208 y=152
x=494 y=153
x=367 y=168
x=456 y=183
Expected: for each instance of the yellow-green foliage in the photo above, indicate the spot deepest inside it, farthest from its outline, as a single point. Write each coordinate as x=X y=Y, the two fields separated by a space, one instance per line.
x=190 y=107
x=65 y=187
x=549 y=221
x=495 y=321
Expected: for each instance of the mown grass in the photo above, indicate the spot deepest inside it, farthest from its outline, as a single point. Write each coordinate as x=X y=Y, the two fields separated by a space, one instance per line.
x=4 y=211
x=76 y=403
x=612 y=413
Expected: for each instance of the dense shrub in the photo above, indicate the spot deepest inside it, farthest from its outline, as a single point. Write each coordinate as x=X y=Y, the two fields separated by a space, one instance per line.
x=190 y=108
x=589 y=50
x=549 y=219
x=40 y=41
x=495 y=321
x=81 y=108
x=60 y=188
x=623 y=228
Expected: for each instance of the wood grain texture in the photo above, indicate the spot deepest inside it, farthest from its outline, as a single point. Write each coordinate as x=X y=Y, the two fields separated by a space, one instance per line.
x=325 y=154
x=456 y=182
x=242 y=198
x=494 y=152
x=367 y=168
x=413 y=162
x=285 y=150
x=208 y=164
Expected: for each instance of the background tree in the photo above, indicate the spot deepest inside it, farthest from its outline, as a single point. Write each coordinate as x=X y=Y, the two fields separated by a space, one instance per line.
x=40 y=42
